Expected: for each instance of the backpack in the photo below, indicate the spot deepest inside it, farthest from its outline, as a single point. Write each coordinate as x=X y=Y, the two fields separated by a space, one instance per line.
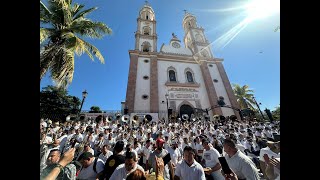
x=95 y=165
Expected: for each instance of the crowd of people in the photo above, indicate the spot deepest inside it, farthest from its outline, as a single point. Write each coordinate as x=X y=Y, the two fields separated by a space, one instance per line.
x=102 y=149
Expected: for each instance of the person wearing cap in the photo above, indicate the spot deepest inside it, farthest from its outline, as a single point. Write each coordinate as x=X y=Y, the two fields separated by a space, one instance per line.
x=210 y=160
x=188 y=168
x=88 y=171
x=159 y=152
x=127 y=167
x=114 y=160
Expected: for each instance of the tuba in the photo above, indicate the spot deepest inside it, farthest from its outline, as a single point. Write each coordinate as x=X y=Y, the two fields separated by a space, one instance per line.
x=109 y=119
x=185 y=117
x=135 y=119
x=148 y=117
x=125 y=118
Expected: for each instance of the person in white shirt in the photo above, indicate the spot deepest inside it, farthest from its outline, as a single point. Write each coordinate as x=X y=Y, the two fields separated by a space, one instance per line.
x=188 y=168
x=129 y=166
x=210 y=160
x=145 y=153
x=238 y=162
x=199 y=149
x=90 y=170
x=175 y=154
x=105 y=153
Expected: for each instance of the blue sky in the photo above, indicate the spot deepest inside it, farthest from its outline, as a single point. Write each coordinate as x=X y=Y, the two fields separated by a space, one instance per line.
x=243 y=62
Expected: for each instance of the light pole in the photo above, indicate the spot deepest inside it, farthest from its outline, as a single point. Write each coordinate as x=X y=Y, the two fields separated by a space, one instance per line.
x=167 y=97
x=258 y=106
x=84 y=95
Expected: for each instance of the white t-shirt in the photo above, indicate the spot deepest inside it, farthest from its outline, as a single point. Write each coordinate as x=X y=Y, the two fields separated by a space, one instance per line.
x=186 y=172
x=175 y=155
x=146 y=151
x=88 y=173
x=199 y=148
x=120 y=173
x=105 y=157
x=211 y=157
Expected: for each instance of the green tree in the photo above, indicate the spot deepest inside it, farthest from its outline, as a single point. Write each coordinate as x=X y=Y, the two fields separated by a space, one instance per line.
x=95 y=109
x=244 y=96
x=56 y=104
x=276 y=113
x=63 y=26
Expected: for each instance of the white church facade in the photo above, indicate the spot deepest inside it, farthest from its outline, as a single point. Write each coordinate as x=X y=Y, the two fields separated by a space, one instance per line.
x=182 y=76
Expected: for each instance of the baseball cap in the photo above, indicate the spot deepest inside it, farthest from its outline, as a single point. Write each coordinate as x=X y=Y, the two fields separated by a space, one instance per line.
x=160 y=140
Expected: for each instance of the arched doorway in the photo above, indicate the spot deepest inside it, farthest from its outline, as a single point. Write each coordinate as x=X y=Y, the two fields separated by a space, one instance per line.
x=186 y=109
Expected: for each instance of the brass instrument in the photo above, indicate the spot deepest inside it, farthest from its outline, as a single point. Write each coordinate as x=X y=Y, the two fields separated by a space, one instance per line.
x=148 y=117
x=135 y=120
x=185 y=117
x=125 y=118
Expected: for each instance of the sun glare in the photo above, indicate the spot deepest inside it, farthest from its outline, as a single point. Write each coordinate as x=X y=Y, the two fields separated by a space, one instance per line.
x=258 y=9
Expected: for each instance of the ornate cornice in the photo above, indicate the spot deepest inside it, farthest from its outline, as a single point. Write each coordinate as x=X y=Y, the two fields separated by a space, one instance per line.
x=177 y=84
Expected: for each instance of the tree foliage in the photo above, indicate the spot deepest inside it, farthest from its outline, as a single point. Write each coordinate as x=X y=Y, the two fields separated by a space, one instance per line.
x=244 y=96
x=63 y=27
x=56 y=104
x=95 y=109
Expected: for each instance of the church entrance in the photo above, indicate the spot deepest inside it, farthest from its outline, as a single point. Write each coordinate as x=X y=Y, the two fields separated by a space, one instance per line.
x=186 y=109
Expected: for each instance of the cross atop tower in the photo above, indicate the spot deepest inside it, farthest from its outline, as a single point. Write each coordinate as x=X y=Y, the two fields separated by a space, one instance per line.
x=185 y=11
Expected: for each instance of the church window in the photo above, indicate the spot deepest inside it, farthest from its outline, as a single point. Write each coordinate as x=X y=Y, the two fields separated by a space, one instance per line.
x=145 y=77
x=145 y=96
x=189 y=77
x=172 y=76
x=210 y=65
x=146 y=30
x=215 y=80
x=146 y=60
x=146 y=46
x=147 y=17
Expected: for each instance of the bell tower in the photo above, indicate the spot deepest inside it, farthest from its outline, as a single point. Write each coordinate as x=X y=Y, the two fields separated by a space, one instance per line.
x=146 y=36
x=194 y=37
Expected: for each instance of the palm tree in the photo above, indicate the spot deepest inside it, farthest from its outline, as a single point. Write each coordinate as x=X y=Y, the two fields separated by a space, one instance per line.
x=64 y=25
x=244 y=96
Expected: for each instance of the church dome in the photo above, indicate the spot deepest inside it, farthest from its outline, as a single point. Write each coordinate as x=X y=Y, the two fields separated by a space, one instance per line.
x=147 y=12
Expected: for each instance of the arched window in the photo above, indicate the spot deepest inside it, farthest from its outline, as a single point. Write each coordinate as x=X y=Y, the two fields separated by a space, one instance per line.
x=147 y=17
x=146 y=30
x=172 y=76
x=146 y=46
x=189 y=77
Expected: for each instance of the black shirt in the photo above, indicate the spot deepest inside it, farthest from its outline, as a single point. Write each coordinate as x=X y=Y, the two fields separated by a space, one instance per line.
x=111 y=164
